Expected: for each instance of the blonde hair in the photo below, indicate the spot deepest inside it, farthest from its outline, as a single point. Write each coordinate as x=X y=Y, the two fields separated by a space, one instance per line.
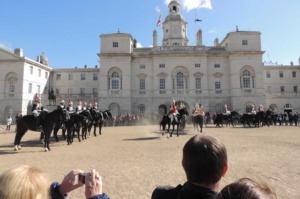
x=24 y=182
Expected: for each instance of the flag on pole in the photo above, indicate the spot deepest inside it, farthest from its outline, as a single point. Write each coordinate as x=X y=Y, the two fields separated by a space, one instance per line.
x=159 y=21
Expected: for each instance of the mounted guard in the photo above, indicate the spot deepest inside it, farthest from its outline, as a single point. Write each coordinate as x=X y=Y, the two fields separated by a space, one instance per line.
x=62 y=102
x=79 y=106
x=198 y=110
x=70 y=106
x=252 y=110
x=260 y=108
x=173 y=110
x=84 y=105
x=36 y=102
x=95 y=105
x=226 y=111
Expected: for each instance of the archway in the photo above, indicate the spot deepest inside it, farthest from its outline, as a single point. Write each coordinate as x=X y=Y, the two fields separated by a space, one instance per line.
x=114 y=108
x=162 y=109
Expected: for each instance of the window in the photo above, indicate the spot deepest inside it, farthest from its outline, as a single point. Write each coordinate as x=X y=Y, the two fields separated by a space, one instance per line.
x=70 y=91
x=244 y=42
x=142 y=84
x=40 y=72
x=246 y=79
x=38 y=89
x=198 y=83
x=82 y=76
x=142 y=109
x=294 y=74
x=30 y=88
x=95 y=91
x=115 y=44
x=46 y=75
x=281 y=74
x=82 y=91
x=197 y=65
x=268 y=74
x=95 y=76
x=11 y=88
x=282 y=89
x=115 y=81
x=295 y=89
x=179 y=80
x=142 y=66
x=31 y=70
x=162 y=84
x=70 y=76
x=162 y=66
x=217 y=66
x=217 y=84
x=58 y=76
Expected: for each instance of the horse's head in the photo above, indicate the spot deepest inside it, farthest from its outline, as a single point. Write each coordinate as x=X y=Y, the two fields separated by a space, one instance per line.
x=65 y=115
x=183 y=111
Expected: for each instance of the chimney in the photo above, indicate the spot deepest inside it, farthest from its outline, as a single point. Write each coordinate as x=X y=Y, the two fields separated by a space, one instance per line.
x=19 y=52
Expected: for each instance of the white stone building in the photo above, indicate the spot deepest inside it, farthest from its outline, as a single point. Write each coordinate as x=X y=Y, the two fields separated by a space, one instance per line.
x=145 y=80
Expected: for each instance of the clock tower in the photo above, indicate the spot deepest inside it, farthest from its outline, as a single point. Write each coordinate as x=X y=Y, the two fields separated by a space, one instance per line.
x=174 y=27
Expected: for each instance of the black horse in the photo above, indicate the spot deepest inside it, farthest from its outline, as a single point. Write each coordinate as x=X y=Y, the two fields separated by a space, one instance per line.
x=183 y=113
x=198 y=121
x=174 y=120
x=87 y=129
x=73 y=125
x=29 y=122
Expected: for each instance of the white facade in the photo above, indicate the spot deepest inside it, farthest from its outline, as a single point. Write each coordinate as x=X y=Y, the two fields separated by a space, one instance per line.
x=20 y=79
x=145 y=80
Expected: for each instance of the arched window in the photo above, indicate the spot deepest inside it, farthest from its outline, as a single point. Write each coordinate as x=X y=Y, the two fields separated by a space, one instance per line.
x=179 y=81
x=246 y=78
x=114 y=109
x=115 y=81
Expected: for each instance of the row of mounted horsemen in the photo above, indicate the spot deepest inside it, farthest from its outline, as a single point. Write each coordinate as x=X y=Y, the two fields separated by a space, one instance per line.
x=178 y=118
x=81 y=120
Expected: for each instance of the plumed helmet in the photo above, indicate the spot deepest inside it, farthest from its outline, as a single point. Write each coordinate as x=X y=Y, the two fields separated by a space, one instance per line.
x=70 y=103
x=260 y=106
x=225 y=106
x=62 y=101
x=78 y=102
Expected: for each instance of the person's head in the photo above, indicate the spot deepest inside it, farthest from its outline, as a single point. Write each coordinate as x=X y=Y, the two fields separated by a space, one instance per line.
x=246 y=188
x=204 y=160
x=24 y=182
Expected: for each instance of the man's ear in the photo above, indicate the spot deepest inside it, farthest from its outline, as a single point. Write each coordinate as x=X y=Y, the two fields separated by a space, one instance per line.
x=225 y=170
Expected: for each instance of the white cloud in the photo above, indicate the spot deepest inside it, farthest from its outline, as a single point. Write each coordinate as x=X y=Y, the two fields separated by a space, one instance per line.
x=193 y=4
x=158 y=9
x=211 y=31
x=139 y=45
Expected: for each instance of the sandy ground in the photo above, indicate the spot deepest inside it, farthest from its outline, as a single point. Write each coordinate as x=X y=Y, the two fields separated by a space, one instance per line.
x=134 y=160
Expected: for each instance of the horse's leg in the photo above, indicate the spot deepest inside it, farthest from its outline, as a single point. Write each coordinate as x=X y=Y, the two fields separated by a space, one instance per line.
x=18 y=138
x=100 y=127
x=55 y=131
x=47 y=140
x=42 y=137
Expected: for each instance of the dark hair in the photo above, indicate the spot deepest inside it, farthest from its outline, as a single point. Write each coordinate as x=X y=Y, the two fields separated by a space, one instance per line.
x=204 y=159
x=246 y=188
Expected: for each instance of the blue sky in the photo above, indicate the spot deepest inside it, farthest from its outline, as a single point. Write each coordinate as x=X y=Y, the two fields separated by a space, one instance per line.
x=68 y=31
